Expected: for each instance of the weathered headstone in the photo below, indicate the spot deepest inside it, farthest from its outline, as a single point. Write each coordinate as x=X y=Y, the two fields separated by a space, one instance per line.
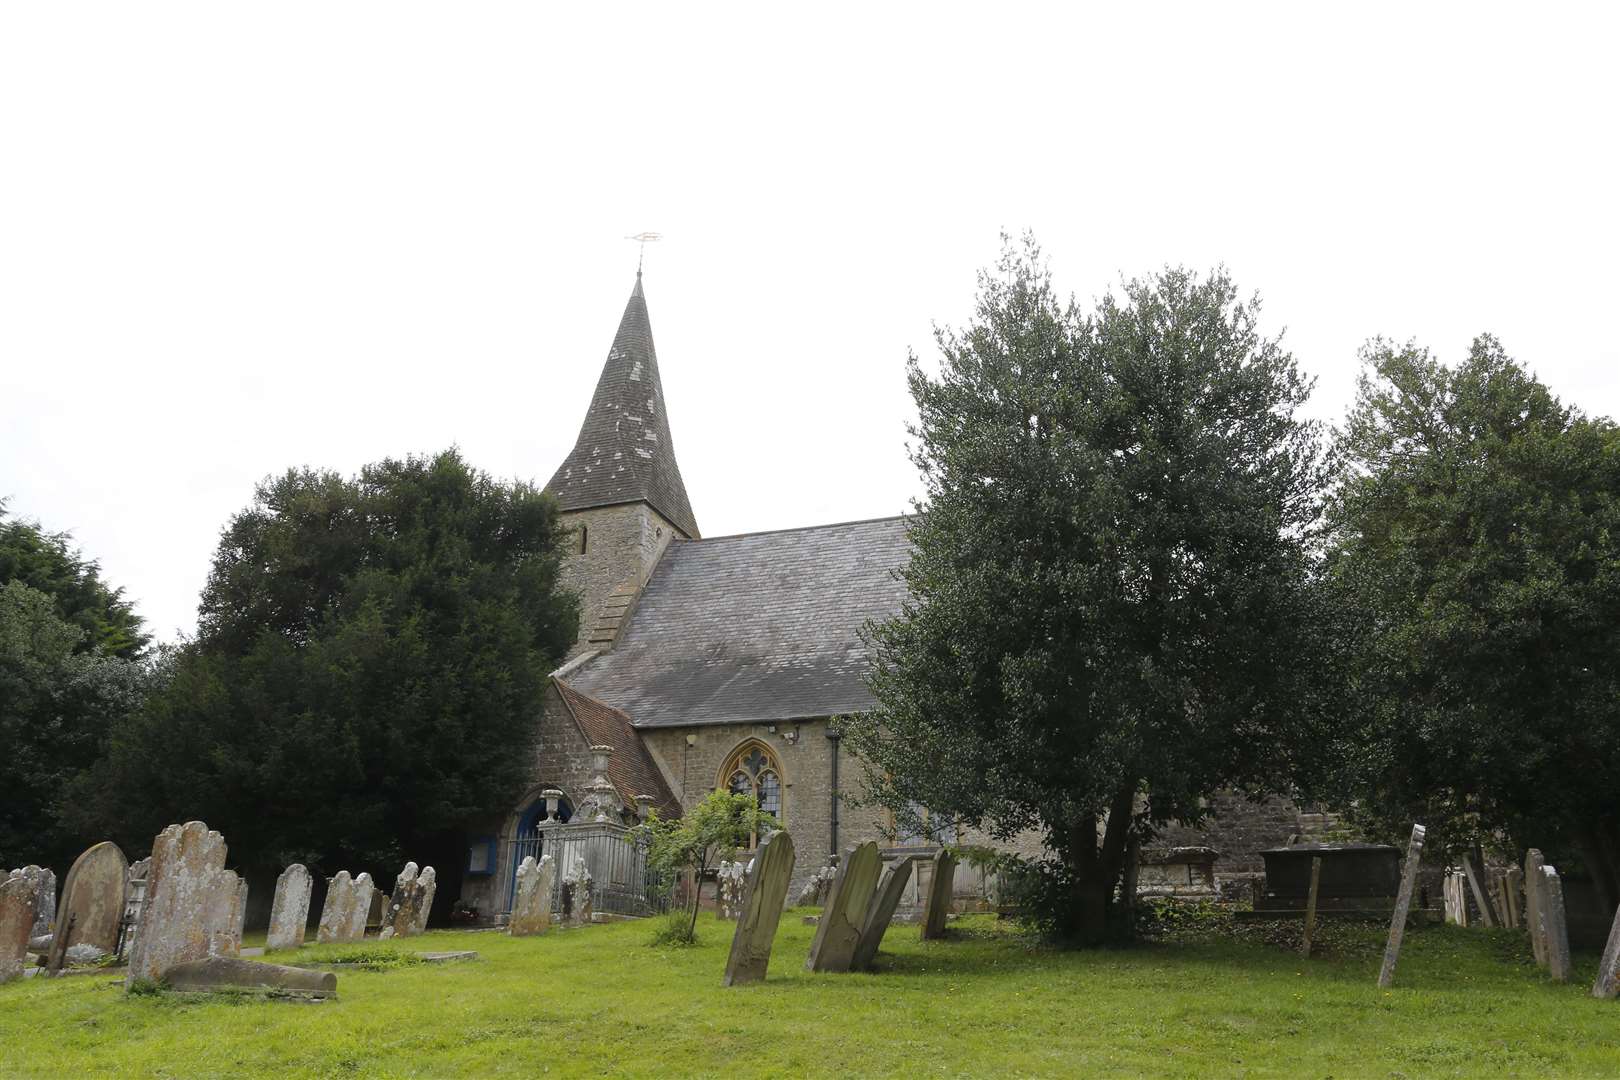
x=43 y=882
x=427 y=885
x=1310 y=906
x=18 y=896
x=93 y=896
x=1475 y=885
x=411 y=899
x=229 y=973
x=224 y=911
x=1607 y=983
x=190 y=900
x=938 y=902
x=1533 y=862
x=1513 y=887
x=881 y=913
x=378 y=910
x=764 y=895
x=1403 y=904
x=576 y=894
x=1554 y=927
x=531 y=905
x=343 y=916
x=839 y=930
x=289 y=911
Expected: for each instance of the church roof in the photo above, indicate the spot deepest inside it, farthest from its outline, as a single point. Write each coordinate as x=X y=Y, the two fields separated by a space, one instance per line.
x=624 y=453
x=762 y=627
x=630 y=768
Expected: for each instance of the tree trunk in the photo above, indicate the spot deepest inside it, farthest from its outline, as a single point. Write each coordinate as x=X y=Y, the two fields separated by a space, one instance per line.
x=1095 y=869
x=1599 y=856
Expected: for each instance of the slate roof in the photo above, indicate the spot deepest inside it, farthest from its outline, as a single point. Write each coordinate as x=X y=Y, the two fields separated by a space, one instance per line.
x=624 y=452
x=756 y=628
x=631 y=769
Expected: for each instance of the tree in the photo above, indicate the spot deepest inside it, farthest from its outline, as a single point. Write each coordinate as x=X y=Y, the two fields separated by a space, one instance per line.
x=56 y=703
x=370 y=660
x=48 y=563
x=1108 y=580
x=1476 y=547
x=713 y=829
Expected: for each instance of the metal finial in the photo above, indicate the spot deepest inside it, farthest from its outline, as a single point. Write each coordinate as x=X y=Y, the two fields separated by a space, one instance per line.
x=643 y=239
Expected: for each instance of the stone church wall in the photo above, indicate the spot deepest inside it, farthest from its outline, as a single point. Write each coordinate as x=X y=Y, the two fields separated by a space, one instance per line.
x=622 y=545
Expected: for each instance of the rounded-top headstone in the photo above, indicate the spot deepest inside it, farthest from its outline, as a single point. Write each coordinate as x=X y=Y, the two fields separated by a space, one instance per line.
x=93 y=895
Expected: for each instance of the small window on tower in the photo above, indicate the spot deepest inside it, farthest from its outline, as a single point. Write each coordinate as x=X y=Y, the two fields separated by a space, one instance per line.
x=584 y=536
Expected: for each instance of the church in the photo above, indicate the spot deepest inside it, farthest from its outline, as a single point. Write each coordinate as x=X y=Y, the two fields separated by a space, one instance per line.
x=703 y=663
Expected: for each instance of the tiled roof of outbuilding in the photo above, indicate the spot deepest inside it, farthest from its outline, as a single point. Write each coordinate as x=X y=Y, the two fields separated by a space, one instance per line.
x=760 y=627
x=624 y=453
x=631 y=768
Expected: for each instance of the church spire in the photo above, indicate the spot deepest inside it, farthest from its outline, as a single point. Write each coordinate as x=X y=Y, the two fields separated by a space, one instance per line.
x=624 y=453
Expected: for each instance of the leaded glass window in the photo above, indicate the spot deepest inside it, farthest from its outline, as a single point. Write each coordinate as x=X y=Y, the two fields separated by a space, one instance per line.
x=752 y=770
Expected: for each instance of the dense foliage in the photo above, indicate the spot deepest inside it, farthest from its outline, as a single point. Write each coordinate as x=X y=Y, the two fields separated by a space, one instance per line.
x=1476 y=554
x=48 y=563
x=694 y=843
x=369 y=665
x=1109 y=611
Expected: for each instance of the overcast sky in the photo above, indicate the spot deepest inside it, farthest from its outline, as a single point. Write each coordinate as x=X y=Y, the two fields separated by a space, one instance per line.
x=236 y=238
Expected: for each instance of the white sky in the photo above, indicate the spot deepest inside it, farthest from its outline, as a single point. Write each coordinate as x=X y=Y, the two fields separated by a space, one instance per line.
x=236 y=238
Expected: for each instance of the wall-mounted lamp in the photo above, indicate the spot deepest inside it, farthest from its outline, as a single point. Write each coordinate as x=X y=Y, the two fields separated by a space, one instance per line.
x=691 y=740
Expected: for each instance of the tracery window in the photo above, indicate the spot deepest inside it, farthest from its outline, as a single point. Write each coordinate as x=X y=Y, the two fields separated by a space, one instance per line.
x=753 y=770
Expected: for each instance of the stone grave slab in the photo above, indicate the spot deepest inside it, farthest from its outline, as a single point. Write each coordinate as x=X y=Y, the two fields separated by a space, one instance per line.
x=881 y=913
x=764 y=895
x=839 y=930
x=215 y=973
x=289 y=912
x=93 y=897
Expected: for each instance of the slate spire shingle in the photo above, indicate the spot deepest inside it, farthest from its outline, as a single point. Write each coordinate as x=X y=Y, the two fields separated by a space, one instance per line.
x=624 y=453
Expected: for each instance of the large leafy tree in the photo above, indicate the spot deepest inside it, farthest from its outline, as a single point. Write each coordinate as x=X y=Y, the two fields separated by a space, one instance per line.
x=1108 y=601
x=1476 y=554
x=49 y=563
x=369 y=664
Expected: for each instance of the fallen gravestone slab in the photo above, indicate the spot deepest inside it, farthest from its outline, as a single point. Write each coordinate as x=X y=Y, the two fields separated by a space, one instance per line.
x=938 y=902
x=93 y=896
x=452 y=957
x=1403 y=903
x=215 y=973
x=289 y=912
x=881 y=913
x=764 y=894
x=839 y=930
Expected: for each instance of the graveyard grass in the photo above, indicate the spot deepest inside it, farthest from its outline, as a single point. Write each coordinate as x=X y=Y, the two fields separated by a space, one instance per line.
x=599 y=1001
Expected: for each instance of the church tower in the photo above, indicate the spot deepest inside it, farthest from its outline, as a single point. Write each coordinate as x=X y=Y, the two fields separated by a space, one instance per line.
x=620 y=488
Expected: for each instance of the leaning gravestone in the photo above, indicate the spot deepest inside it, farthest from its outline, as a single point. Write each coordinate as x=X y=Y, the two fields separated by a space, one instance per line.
x=1608 y=976
x=839 y=930
x=881 y=913
x=343 y=917
x=289 y=912
x=1403 y=904
x=938 y=902
x=17 y=899
x=190 y=902
x=427 y=885
x=531 y=905
x=764 y=894
x=1533 y=862
x=1554 y=928
x=93 y=896
x=412 y=897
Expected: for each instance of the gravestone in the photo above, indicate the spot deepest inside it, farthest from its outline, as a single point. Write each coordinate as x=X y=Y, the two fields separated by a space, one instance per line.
x=191 y=901
x=224 y=912
x=576 y=894
x=839 y=930
x=289 y=912
x=938 y=901
x=18 y=895
x=411 y=899
x=1403 y=903
x=93 y=897
x=531 y=904
x=881 y=912
x=1513 y=886
x=348 y=901
x=1310 y=907
x=1554 y=927
x=764 y=895
x=377 y=911
x=43 y=882
x=228 y=973
x=1533 y=862
x=1607 y=983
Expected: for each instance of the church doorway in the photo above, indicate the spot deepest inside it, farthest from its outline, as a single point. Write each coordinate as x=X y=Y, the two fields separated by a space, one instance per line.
x=529 y=839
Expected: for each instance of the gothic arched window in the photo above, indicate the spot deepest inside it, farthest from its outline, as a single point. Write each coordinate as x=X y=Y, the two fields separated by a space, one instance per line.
x=753 y=770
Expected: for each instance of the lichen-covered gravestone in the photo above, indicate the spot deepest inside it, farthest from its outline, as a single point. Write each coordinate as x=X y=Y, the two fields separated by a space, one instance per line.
x=93 y=897
x=1607 y=983
x=938 y=902
x=43 y=882
x=412 y=897
x=881 y=913
x=192 y=901
x=764 y=895
x=1533 y=862
x=17 y=900
x=1403 y=903
x=531 y=905
x=427 y=885
x=839 y=930
x=289 y=911
x=343 y=916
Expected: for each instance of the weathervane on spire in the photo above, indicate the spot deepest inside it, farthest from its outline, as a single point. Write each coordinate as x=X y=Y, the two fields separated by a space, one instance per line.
x=643 y=239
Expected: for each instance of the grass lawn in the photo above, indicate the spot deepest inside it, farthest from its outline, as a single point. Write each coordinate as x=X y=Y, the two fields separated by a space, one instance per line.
x=599 y=1001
